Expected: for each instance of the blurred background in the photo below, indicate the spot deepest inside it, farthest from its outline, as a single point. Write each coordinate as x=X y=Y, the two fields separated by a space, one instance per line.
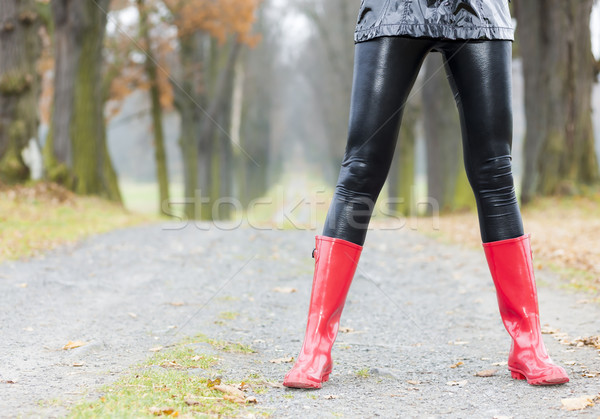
x=147 y=102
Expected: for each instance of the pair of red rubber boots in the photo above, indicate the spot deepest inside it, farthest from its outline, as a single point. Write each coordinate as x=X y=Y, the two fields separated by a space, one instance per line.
x=512 y=271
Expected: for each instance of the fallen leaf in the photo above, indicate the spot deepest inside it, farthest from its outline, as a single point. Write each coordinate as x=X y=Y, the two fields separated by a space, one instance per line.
x=486 y=373
x=155 y=349
x=211 y=383
x=230 y=390
x=330 y=397
x=74 y=344
x=272 y=384
x=169 y=411
x=588 y=341
x=191 y=402
x=458 y=364
x=233 y=399
x=285 y=290
x=282 y=360
x=251 y=400
x=9 y=382
x=171 y=364
x=500 y=364
x=196 y=358
x=346 y=330
x=414 y=382
x=570 y=362
x=457 y=383
x=578 y=403
x=177 y=303
x=549 y=331
x=78 y=364
x=132 y=315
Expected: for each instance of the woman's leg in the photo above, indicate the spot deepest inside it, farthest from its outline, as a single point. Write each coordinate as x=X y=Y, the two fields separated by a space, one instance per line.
x=480 y=75
x=385 y=70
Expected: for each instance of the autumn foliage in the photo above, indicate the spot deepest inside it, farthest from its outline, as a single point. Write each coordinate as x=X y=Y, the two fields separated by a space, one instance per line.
x=219 y=18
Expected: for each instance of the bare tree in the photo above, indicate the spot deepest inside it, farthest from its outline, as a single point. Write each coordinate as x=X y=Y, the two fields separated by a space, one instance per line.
x=19 y=85
x=559 y=69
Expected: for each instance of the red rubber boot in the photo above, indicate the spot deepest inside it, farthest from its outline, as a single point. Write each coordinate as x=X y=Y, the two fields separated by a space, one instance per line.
x=335 y=264
x=512 y=271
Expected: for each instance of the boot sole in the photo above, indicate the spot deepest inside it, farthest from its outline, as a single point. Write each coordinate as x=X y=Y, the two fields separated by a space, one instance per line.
x=518 y=375
x=306 y=384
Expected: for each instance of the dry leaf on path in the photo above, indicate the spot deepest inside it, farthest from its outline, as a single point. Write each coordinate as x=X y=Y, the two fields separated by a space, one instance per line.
x=73 y=344
x=251 y=400
x=171 y=364
x=272 y=384
x=330 y=397
x=414 y=382
x=458 y=364
x=578 y=403
x=78 y=364
x=230 y=390
x=282 y=360
x=486 y=373
x=132 y=315
x=155 y=349
x=169 y=411
x=211 y=383
x=346 y=330
x=191 y=402
x=177 y=303
x=285 y=290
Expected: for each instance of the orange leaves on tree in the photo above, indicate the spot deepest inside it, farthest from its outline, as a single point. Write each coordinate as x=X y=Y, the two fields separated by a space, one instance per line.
x=219 y=18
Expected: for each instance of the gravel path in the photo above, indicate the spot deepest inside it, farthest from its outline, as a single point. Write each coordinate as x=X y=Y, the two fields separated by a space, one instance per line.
x=415 y=309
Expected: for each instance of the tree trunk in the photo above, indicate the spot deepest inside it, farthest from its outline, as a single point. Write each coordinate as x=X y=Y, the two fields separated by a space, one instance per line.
x=70 y=21
x=446 y=179
x=558 y=65
x=186 y=101
x=19 y=85
x=152 y=73
x=76 y=150
x=208 y=178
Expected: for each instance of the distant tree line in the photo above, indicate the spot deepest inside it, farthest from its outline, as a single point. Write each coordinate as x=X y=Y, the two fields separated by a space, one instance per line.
x=219 y=65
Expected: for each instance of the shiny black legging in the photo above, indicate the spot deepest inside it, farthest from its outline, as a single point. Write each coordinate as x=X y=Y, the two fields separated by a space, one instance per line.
x=385 y=70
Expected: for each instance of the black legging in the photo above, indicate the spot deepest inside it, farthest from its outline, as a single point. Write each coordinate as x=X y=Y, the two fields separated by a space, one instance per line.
x=385 y=70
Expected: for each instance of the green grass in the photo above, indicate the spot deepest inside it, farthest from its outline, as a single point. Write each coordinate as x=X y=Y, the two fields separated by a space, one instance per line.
x=363 y=373
x=221 y=345
x=163 y=384
x=228 y=315
x=143 y=197
x=42 y=216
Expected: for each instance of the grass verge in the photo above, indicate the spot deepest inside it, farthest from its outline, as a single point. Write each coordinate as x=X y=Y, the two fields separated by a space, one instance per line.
x=43 y=216
x=563 y=231
x=176 y=383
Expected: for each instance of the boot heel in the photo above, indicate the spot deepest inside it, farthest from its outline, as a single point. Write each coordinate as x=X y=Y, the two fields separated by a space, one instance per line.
x=517 y=375
x=326 y=378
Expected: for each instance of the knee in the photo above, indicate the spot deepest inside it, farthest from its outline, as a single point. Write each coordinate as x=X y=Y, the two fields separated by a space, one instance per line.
x=492 y=180
x=360 y=179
